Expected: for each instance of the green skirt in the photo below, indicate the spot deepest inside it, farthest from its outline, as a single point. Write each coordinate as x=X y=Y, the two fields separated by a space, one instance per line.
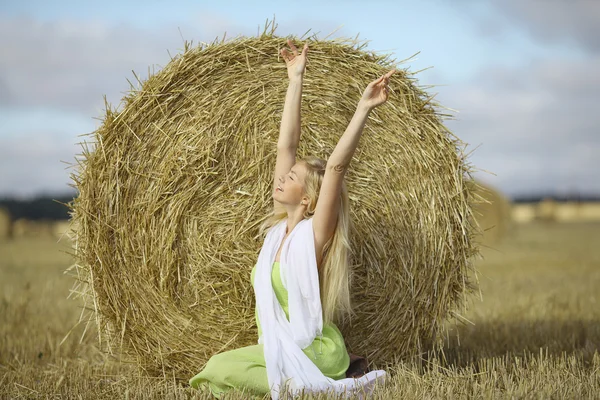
x=244 y=369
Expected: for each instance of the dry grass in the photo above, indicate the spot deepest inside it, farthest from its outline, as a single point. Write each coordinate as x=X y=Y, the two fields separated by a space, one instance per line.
x=536 y=332
x=171 y=198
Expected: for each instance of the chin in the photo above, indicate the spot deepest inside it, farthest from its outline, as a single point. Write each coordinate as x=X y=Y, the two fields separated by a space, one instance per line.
x=278 y=201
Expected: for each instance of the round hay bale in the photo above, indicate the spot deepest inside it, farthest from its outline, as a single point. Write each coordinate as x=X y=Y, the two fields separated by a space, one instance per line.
x=172 y=197
x=492 y=211
x=5 y=224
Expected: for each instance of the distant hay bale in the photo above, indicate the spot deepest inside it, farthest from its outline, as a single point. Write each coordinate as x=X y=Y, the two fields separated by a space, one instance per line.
x=589 y=211
x=32 y=228
x=5 y=224
x=546 y=210
x=19 y=227
x=568 y=211
x=492 y=211
x=522 y=213
x=171 y=199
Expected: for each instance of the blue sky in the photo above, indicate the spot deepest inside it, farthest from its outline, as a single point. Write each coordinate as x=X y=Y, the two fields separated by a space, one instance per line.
x=522 y=74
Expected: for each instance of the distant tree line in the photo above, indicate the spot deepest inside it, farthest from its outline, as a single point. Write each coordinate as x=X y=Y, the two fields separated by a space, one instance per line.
x=536 y=198
x=54 y=208
x=43 y=207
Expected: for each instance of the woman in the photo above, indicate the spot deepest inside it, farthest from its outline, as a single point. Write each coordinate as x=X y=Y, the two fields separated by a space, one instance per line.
x=311 y=209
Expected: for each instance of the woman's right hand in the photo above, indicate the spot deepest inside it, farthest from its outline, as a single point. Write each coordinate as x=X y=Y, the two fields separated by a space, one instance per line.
x=296 y=63
x=376 y=92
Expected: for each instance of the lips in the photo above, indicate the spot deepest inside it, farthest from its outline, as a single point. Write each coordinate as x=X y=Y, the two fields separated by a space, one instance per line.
x=279 y=188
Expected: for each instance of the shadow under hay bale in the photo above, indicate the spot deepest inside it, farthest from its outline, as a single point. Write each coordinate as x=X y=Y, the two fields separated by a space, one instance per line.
x=171 y=199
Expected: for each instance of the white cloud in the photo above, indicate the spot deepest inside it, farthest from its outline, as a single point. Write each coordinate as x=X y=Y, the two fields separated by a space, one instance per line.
x=557 y=21
x=537 y=123
x=538 y=126
x=53 y=76
x=71 y=64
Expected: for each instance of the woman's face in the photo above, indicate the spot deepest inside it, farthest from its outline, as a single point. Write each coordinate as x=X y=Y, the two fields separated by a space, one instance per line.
x=291 y=185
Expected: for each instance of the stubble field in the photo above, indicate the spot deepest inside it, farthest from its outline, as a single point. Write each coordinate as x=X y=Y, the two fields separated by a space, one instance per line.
x=533 y=333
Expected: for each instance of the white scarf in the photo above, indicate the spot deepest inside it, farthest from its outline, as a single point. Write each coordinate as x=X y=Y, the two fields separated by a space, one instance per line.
x=283 y=340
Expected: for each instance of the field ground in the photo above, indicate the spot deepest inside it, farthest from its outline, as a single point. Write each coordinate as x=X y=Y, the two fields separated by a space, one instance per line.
x=534 y=334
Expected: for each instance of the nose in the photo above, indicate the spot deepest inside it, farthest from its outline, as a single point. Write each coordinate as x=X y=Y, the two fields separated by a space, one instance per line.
x=281 y=179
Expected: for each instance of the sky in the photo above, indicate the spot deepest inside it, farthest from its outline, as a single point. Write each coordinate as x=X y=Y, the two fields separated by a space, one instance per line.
x=521 y=74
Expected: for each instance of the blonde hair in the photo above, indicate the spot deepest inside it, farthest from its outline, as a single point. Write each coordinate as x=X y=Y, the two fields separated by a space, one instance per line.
x=334 y=274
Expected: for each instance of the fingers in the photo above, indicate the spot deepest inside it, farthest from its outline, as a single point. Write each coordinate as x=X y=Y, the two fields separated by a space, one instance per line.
x=385 y=79
x=294 y=49
x=387 y=76
x=376 y=81
x=381 y=79
x=383 y=83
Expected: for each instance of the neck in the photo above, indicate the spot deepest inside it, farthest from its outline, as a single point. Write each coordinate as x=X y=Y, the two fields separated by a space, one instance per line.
x=294 y=216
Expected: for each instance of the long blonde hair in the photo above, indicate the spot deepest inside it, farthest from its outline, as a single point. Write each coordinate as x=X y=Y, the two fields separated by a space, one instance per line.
x=334 y=274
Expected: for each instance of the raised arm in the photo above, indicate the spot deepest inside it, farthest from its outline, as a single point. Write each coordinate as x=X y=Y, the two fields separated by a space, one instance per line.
x=326 y=211
x=289 y=132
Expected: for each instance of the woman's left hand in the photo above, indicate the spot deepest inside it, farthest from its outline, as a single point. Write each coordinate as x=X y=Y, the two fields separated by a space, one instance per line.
x=376 y=92
x=296 y=63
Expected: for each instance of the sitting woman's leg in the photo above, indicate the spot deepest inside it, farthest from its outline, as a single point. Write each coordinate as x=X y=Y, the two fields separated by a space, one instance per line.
x=240 y=369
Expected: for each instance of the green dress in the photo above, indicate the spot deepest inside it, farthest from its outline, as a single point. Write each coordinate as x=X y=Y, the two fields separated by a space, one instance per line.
x=245 y=369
